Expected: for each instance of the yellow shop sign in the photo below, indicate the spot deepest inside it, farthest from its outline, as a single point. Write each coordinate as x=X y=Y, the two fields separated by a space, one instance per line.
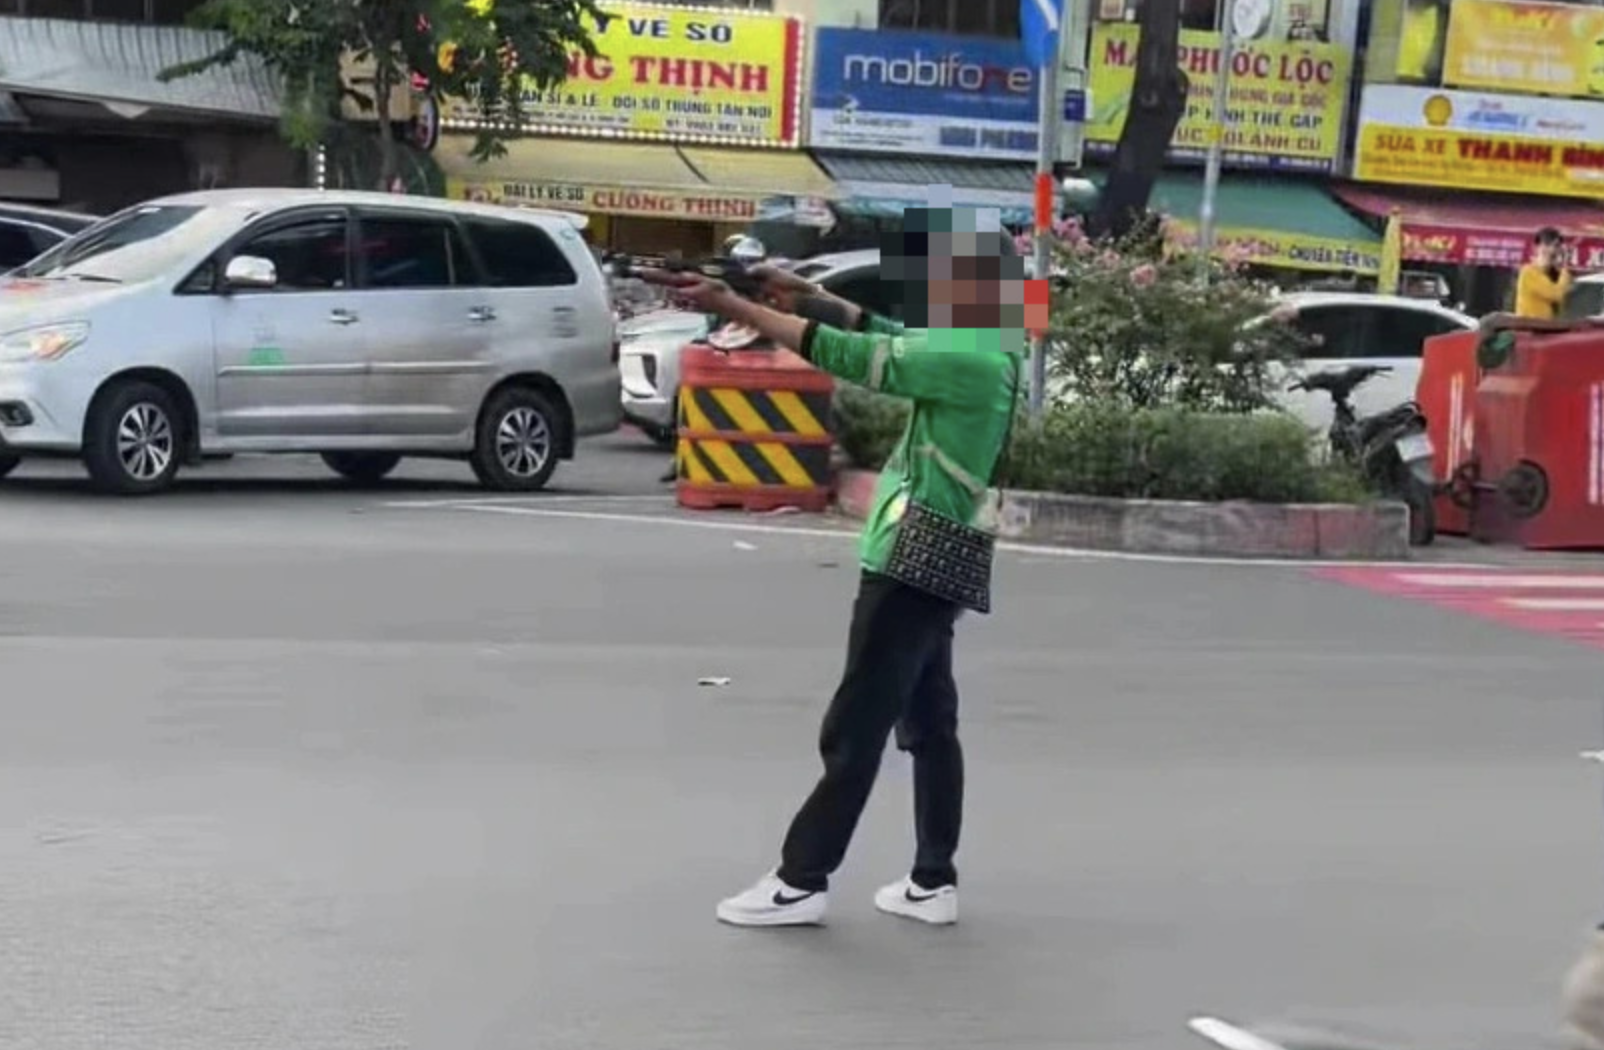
x=1285 y=103
x=678 y=74
x=1283 y=248
x=1461 y=160
x=1525 y=48
x=610 y=200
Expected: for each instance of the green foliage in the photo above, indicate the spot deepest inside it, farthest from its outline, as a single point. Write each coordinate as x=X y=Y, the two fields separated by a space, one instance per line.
x=1135 y=327
x=1107 y=449
x=867 y=425
x=491 y=52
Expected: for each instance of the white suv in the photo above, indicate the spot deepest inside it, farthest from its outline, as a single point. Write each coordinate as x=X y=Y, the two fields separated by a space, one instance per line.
x=651 y=343
x=365 y=327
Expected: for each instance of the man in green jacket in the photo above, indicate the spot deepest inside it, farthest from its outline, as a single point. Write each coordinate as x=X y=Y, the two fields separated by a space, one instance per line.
x=957 y=361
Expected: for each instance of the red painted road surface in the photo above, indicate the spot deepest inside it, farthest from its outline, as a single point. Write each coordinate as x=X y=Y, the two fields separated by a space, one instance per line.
x=1568 y=604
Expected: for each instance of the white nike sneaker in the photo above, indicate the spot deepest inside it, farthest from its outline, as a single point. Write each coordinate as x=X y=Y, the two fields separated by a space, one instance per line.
x=938 y=907
x=774 y=903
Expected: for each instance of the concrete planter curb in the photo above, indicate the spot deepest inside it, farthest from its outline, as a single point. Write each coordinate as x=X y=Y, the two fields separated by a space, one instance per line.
x=1376 y=531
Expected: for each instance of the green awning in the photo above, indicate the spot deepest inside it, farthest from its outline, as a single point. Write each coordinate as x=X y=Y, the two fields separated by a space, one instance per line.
x=1271 y=222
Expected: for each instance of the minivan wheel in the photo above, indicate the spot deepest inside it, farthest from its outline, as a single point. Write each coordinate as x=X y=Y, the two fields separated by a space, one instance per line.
x=8 y=464
x=517 y=442
x=133 y=440
x=364 y=468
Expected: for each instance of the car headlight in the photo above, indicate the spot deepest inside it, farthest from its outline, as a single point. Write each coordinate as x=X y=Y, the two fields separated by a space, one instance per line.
x=44 y=343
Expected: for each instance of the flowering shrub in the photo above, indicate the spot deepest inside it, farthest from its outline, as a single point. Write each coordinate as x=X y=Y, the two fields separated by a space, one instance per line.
x=1155 y=379
x=1135 y=326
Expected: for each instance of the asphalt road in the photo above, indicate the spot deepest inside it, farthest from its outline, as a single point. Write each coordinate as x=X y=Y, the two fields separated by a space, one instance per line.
x=290 y=765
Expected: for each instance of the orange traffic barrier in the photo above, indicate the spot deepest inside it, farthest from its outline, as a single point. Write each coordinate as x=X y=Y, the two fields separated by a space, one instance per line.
x=753 y=431
x=1446 y=392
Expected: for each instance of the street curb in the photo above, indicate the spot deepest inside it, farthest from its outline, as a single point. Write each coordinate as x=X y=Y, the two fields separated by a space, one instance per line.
x=1335 y=531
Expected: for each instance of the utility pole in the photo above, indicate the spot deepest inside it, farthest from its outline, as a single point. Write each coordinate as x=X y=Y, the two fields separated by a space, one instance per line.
x=1046 y=201
x=1211 y=173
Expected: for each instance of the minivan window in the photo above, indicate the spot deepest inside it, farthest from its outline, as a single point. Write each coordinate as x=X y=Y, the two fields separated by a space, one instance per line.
x=518 y=255
x=136 y=245
x=410 y=252
x=310 y=255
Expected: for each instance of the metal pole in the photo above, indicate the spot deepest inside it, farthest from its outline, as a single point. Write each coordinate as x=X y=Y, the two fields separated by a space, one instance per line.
x=1046 y=154
x=1211 y=173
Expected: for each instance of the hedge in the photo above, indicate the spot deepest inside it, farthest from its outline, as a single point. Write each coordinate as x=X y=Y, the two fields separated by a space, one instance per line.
x=1106 y=450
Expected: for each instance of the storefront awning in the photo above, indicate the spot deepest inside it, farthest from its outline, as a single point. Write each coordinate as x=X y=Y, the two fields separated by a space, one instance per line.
x=885 y=185
x=1481 y=229
x=761 y=170
x=116 y=65
x=1270 y=223
x=633 y=178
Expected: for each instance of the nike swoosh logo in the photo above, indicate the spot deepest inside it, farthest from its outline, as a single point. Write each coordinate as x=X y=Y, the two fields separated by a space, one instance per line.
x=917 y=899
x=782 y=901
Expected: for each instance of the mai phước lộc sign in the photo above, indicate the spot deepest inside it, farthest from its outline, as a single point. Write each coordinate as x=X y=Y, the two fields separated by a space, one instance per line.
x=1285 y=104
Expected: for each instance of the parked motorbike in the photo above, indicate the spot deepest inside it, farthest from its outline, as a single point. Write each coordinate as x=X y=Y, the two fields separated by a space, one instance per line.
x=1391 y=449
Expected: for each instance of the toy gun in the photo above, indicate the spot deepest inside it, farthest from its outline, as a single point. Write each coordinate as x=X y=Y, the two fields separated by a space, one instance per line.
x=733 y=272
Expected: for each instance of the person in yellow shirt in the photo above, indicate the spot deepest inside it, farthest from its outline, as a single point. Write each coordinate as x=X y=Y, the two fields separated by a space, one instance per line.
x=1545 y=281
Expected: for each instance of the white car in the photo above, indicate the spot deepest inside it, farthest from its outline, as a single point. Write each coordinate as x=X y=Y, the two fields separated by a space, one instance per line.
x=650 y=343
x=362 y=326
x=1348 y=328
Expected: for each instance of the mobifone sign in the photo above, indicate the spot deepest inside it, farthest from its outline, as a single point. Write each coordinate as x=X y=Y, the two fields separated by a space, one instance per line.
x=923 y=93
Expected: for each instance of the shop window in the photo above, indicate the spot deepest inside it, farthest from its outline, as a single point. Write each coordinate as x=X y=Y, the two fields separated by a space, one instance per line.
x=517 y=255
x=998 y=18
x=55 y=8
x=119 y=10
x=172 y=12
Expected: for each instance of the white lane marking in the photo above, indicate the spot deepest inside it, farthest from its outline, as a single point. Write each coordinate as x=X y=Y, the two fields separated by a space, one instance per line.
x=471 y=501
x=1494 y=581
x=1557 y=604
x=1016 y=548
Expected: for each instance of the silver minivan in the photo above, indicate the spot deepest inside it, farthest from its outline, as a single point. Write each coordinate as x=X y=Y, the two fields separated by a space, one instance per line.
x=361 y=326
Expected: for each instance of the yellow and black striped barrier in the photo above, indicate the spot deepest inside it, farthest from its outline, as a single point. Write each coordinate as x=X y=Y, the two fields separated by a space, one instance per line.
x=753 y=431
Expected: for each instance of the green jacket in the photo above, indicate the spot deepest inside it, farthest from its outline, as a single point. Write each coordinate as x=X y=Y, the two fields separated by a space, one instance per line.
x=963 y=384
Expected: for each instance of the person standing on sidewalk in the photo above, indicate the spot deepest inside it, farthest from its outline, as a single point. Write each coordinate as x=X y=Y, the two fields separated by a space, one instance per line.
x=926 y=546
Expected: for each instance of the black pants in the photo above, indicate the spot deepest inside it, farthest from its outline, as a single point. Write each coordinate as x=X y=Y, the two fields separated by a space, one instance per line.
x=898 y=675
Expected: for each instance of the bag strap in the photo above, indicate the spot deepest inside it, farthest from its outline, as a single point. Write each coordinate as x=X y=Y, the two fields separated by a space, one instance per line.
x=1008 y=431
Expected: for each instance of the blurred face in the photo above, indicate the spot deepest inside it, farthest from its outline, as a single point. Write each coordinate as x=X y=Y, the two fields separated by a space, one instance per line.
x=955 y=279
x=1551 y=254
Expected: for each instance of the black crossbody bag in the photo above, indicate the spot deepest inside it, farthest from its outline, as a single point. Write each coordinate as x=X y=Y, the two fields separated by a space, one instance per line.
x=945 y=558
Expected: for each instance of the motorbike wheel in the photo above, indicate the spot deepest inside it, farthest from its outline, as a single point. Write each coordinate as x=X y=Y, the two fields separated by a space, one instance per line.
x=1418 y=497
